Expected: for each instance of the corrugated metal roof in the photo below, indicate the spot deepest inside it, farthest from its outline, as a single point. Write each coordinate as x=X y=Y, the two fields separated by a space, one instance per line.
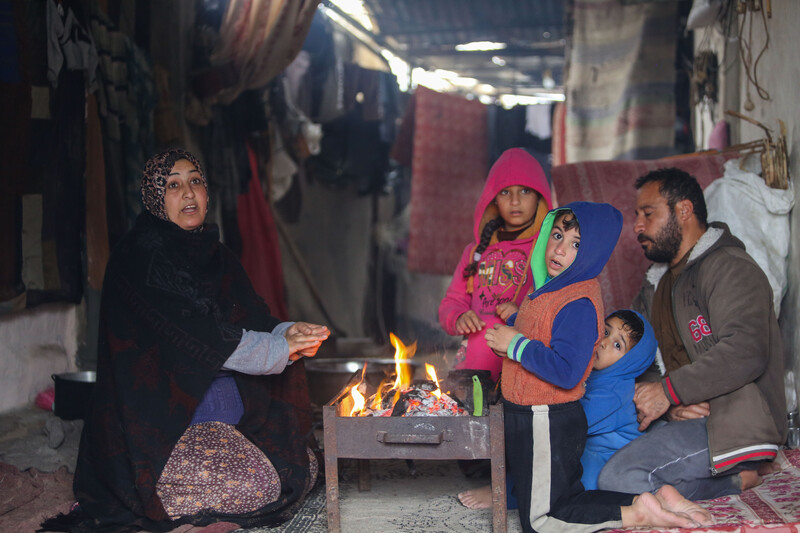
x=425 y=33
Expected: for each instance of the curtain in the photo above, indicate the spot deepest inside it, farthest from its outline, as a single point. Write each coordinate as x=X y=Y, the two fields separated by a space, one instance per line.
x=620 y=84
x=260 y=38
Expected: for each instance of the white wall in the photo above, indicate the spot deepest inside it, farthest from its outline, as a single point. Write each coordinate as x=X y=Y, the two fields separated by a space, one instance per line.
x=779 y=73
x=33 y=345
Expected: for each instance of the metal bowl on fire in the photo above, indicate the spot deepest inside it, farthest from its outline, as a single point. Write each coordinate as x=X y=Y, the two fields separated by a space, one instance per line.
x=327 y=377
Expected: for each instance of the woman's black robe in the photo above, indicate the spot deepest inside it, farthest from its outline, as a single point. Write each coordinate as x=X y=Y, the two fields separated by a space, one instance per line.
x=174 y=305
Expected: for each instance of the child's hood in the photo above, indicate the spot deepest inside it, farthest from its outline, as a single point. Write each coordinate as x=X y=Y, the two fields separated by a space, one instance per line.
x=514 y=167
x=600 y=226
x=632 y=364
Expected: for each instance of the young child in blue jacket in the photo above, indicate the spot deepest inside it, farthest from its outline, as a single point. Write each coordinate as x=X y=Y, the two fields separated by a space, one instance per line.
x=626 y=349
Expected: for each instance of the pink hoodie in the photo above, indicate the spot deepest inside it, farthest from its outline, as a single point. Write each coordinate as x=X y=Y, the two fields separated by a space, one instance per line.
x=503 y=270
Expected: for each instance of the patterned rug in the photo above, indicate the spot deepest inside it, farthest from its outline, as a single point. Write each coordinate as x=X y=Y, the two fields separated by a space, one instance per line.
x=773 y=506
x=443 y=139
x=621 y=101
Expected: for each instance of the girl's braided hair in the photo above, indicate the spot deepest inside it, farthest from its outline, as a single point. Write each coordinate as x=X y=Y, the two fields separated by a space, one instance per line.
x=486 y=236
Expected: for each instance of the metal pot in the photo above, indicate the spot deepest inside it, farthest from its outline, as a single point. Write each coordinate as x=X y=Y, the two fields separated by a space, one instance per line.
x=73 y=394
x=327 y=377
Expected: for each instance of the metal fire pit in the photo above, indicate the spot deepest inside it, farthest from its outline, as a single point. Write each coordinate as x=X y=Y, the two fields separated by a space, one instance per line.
x=417 y=437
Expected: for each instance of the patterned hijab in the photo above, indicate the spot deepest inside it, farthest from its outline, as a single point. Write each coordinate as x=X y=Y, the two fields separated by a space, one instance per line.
x=154 y=179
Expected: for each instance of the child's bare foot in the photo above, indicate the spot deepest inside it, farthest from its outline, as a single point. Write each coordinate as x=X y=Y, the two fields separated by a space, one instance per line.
x=750 y=479
x=647 y=510
x=754 y=478
x=671 y=500
x=480 y=498
x=768 y=467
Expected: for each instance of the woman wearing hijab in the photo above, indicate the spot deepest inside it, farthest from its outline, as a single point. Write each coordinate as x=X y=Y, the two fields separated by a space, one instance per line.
x=199 y=414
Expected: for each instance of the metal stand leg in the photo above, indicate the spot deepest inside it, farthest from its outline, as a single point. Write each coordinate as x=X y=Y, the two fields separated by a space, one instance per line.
x=331 y=472
x=498 y=462
x=427 y=448
x=364 y=481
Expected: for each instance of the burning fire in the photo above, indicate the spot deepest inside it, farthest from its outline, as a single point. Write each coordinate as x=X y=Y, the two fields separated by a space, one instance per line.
x=432 y=374
x=413 y=399
x=358 y=398
x=403 y=370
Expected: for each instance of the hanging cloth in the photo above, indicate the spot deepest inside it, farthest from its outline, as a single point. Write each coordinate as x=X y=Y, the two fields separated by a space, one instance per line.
x=261 y=253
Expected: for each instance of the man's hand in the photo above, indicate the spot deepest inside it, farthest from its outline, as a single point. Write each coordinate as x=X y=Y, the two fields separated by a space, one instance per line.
x=469 y=322
x=688 y=412
x=651 y=403
x=499 y=337
x=304 y=339
x=505 y=310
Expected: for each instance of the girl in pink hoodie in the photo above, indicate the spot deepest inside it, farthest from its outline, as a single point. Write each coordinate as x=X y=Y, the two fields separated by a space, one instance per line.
x=493 y=275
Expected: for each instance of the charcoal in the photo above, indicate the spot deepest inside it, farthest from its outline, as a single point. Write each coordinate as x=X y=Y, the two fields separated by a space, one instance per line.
x=401 y=406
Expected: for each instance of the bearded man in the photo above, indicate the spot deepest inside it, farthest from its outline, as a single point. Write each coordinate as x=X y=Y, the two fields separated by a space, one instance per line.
x=714 y=409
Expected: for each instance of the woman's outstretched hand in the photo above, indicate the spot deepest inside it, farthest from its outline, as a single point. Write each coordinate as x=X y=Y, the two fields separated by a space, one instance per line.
x=304 y=339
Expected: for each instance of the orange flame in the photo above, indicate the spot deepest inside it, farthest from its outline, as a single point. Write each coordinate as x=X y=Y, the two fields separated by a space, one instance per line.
x=358 y=401
x=354 y=401
x=356 y=397
x=377 y=399
x=431 y=371
x=403 y=370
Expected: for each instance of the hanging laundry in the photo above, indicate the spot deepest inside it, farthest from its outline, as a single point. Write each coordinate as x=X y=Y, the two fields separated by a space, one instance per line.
x=261 y=253
x=68 y=42
x=538 y=121
x=282 y=168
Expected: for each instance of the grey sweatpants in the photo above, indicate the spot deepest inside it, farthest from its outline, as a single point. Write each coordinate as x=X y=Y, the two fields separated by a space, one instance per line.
x=671 y=453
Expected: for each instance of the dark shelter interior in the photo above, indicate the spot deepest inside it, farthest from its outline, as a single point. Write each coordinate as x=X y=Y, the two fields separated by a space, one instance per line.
x=345 y=145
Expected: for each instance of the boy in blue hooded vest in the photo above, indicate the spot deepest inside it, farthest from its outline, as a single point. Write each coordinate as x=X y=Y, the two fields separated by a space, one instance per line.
x=549 y=353
x=625 y=350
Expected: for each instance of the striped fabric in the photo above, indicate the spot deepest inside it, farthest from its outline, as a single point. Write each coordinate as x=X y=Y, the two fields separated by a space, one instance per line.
x=620 y=85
